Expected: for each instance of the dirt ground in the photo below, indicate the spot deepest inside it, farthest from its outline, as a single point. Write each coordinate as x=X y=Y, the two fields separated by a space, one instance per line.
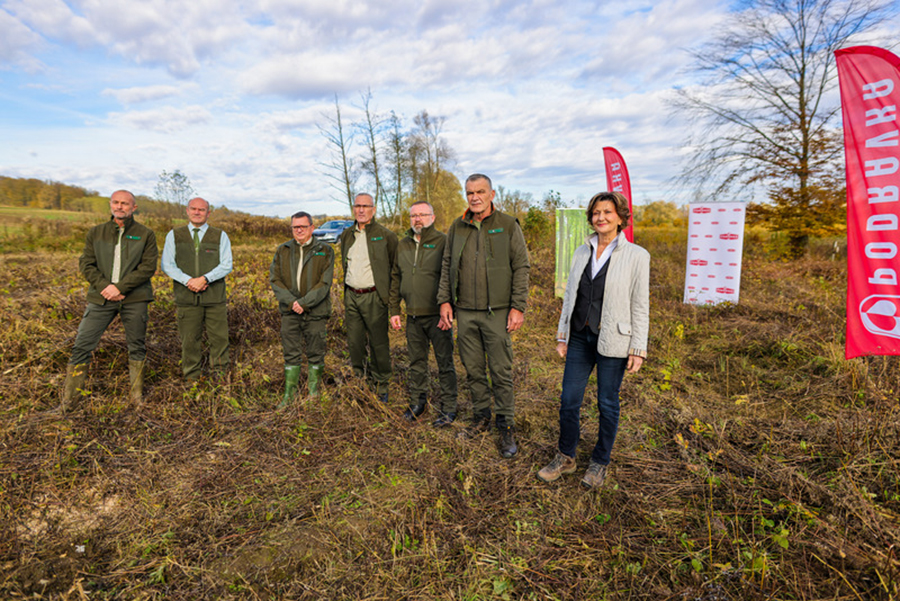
x=752 y=462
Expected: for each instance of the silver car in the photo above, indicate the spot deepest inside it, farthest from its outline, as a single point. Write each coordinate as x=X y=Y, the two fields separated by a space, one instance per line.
x=330 y=230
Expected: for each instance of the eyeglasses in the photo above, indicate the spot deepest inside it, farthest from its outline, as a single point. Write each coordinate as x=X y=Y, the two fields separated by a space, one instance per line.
x=363 y=206
x=301 y=227
x=420 y=215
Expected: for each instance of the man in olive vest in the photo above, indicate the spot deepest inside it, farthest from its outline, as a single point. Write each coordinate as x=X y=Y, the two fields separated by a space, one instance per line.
x=118 y=261
x=417 y=274
x=368 y=253
x=197 y=257
x=300 y=275
x=484 y=280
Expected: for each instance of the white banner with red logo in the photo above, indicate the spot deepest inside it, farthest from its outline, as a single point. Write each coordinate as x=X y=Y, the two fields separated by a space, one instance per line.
x=617 y=180
x=870 y=95
x=715 y=247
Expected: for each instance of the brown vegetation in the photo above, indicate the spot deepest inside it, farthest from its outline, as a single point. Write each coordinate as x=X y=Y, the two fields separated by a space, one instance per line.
x=753 y=461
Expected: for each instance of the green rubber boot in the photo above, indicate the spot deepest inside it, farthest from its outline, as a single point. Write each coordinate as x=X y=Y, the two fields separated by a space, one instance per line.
x=75 y=376
x=291 y=380
x=315 y=374
x=136 y=380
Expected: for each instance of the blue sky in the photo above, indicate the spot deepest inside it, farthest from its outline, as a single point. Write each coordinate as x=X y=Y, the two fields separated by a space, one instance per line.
x=107 y=94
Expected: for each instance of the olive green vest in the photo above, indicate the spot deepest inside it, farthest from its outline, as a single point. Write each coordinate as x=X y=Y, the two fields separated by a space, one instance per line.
x=196 y=264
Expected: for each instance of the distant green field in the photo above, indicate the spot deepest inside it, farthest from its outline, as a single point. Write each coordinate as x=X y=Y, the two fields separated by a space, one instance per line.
x=19 y=213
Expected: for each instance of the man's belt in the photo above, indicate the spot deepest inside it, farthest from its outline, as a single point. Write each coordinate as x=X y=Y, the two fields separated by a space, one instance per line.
x=362 y=290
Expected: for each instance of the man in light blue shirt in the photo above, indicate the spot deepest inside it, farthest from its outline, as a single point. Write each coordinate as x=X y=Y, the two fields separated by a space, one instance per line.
x=197 y=257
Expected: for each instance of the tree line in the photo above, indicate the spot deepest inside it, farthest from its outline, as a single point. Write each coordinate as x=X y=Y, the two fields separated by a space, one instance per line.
x=40 y=194
x=48 y=194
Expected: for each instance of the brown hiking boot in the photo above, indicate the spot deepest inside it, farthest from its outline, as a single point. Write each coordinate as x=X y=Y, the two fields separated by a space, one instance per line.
x=594 y=475
x=553 y=471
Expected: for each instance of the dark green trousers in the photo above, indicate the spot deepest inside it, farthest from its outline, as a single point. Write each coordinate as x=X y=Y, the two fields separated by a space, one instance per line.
x=98 y=317
x=192 y=320
x=422 y=332
x=485 y=344
x=300 y=334
x=366 y=321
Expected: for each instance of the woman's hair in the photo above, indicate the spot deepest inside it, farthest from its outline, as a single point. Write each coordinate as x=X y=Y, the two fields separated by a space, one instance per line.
x=618 y=199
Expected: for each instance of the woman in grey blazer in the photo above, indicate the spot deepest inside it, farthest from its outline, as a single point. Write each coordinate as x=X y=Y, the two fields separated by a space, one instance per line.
x=604 y=323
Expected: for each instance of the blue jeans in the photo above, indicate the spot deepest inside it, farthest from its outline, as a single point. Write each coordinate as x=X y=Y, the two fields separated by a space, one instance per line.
x=581 y=357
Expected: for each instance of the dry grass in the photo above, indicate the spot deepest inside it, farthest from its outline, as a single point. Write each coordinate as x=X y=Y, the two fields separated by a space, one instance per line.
x=753 y=461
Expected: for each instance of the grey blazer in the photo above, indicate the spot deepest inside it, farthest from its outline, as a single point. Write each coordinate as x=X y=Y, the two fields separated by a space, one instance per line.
x=625 y=316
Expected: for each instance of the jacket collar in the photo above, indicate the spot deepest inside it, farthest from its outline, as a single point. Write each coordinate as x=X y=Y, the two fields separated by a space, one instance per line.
x=313 y=242
x=126 y=223
x=426 y=232
x=621 y=240
x=469 y=217
x=368 y=225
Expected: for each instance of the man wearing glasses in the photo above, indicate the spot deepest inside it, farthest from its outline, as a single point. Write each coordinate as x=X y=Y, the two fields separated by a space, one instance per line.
x=300 y=275
x=417 y=274
x=368 y=254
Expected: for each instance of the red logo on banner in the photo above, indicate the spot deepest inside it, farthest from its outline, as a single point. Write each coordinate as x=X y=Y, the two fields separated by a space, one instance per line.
x=880 y=314
x=702 y=210
x=698 y=262
x=725 y=290
x=728 y=236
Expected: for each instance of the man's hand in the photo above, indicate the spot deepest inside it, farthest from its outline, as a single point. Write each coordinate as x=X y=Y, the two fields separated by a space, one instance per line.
x=198 y=284
x=296 y=308
x=395 y=322
x=111 y=293
x=634 y=363
x=562 y=348
x=446 y=321
x=515 y=320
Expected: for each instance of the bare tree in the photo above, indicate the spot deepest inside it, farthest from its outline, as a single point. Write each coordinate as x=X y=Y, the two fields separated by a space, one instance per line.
x=513 y=202
x=174 y=187
x=764 y=112
x=371 y=129
x=341 y=169
x=397 y=162
x=429 y=154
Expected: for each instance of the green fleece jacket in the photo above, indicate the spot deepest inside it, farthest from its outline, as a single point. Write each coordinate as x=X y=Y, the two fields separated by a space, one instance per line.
x=417 y=272
x=139 y=256
x=492 y=256
x=382 y=245
x=314 y=293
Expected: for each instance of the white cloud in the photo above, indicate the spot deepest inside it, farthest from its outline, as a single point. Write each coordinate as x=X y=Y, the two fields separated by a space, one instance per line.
x=137 y=95
x=169 y=119
x=16 y=42
x=54 y=20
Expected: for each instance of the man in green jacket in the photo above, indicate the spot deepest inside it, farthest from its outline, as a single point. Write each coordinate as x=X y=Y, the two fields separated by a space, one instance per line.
x=484 y=279
x=301 y=275
x=417 y=274
x=118 y=261
x=368 y=254
x=197 y=257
